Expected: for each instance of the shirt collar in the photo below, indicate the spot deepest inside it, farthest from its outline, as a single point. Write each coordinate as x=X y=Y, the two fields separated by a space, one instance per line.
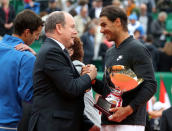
x=12 y=40
x=60 y=44
x=126 y=41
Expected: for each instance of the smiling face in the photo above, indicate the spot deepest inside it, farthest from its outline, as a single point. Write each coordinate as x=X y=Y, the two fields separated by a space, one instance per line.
x=108 y=28
x=69 y=31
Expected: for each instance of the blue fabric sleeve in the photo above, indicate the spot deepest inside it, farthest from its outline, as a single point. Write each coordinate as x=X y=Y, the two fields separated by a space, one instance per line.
x=25 y=89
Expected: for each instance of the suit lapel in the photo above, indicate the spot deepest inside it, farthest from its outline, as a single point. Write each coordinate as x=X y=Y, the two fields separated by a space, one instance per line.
x=66 y=55
x=71 y=63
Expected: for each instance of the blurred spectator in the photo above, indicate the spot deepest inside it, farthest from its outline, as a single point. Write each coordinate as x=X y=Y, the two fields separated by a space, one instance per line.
x=165 y=5
x=117 y=3
x=138 y=36
x=145 y=19
x=107 y=2
x=95 y=11
x=80 y=4
x=154 y=112
x=68 y=5
x=151 y=5
x=7 y=15
x=88 y=39
x=81 y=20
x=148 y=126
x=52 y=6
x=165 y=121
x=43 y=5
x=167 y=48
x=134 y=24
x=158 y=30
x=153 y=50
x=98 y=38
x=90 y=4
x=104 y=46
x=73 y=12
x=34 y=6
x=155 y=115
x=165 y=58
x=130 y=6
x=102 y=52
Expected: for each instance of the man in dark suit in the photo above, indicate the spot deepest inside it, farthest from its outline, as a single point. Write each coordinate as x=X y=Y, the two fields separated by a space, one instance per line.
x=165 y=122
x=58 y=88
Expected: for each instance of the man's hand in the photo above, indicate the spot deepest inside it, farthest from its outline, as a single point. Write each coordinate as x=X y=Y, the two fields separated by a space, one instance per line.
x=85 y=70
x=8 y=26
x=120 y=113
x=91 y=70
x=23 y=47
x=94 y=128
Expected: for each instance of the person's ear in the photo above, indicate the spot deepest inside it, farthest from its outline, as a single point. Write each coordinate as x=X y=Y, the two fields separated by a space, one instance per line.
x=59 y=28
x=117 y=22
x=26 y=32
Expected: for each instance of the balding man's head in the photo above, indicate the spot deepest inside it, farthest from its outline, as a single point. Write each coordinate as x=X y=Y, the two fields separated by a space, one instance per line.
x=143 y=7
x=60 y=26
x=57 y=17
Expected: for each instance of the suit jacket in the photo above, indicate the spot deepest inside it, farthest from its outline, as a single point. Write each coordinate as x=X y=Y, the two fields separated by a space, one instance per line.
x=58 y=92
x=165 y=122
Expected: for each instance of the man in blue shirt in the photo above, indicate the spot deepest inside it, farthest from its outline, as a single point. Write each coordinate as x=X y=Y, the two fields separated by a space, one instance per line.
x=16 y=69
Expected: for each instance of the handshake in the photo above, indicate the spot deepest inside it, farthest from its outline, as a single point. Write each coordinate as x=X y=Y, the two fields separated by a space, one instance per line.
x=89 y=69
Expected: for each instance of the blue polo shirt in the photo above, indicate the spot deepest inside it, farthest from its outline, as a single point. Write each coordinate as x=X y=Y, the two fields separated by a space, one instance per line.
x=15 y=80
